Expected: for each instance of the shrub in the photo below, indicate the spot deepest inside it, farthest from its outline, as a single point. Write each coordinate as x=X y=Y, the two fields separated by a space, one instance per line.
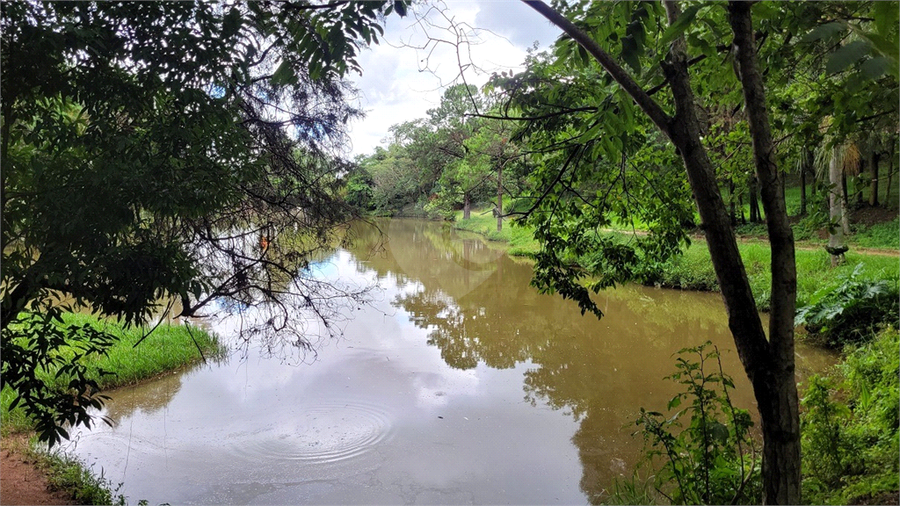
x=851 y=448
x=706 y=462
x=850 y=311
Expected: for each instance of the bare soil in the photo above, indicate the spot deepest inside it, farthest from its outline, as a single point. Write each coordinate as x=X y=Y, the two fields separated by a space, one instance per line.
x=20 y=481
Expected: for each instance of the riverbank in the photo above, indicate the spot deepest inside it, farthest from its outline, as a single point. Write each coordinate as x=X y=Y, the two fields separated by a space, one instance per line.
x=693 y=269
x=848 y=415
x=34 y=476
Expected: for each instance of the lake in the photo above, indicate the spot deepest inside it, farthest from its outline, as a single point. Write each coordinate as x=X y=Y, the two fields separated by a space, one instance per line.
x=458 y=383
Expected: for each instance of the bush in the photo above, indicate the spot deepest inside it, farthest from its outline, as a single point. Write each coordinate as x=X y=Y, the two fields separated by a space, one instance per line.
x=850 y=311
x=706 y=462
x=851 y=448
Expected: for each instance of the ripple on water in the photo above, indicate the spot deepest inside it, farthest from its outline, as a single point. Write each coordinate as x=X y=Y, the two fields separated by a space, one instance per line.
x=321 y=433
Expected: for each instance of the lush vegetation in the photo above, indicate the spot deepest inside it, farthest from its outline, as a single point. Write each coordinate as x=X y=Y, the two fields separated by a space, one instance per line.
x=692 y=269
x=850 y=425
x=167 y=348
x=159 y=151
x=712 y=459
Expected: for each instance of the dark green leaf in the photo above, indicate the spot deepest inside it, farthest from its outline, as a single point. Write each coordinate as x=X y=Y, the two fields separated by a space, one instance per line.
x=846 y=56
x=681 y=24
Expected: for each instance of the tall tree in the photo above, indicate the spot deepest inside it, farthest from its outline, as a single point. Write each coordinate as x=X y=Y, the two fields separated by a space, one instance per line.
x=148 y=149
x=769 y=363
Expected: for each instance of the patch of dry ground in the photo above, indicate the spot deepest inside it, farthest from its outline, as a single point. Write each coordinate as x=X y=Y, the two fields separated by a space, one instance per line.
x=20 y=481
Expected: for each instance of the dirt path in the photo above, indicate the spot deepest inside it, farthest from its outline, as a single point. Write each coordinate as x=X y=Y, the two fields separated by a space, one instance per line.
x=765 y=240
x=20 y=481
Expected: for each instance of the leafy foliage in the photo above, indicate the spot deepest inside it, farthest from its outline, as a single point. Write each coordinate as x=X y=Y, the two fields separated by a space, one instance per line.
x=151 y=152
x=850 y=311
x=850 y=427
x=712 y=459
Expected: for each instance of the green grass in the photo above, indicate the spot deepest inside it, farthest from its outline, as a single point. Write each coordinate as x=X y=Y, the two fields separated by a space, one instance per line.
x=169 y=347
x=693 y=269
x=520 y=240
x=881 y=235
x=67 y=473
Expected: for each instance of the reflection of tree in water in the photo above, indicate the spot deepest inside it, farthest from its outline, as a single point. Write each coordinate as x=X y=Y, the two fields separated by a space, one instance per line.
x=417 y=250
x=148 y=397
x=599 y=371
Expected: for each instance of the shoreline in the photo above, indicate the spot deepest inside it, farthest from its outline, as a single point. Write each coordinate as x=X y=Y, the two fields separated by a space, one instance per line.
x=33 y=475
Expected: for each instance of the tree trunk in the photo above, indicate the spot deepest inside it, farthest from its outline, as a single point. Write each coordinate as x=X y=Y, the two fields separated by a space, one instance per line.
x=732 y=207
x=773 y=381
x=754 y=200
x=887 y=196
x=803 y=190
x=845 y=204
x=467 y=206
x=804 y=170
x=500 y=197
x=873 y=185
x=836 y=246
x=768 y=364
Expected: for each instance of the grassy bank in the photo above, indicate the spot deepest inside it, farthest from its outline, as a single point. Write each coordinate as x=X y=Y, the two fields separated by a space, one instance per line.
x=168 y=348
x=693 y=269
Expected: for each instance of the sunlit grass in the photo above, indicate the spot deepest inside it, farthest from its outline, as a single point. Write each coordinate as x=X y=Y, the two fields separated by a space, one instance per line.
x=167 y=348
x=693 y=269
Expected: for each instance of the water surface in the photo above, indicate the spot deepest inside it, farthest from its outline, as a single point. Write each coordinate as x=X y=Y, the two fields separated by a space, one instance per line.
x=458 y=384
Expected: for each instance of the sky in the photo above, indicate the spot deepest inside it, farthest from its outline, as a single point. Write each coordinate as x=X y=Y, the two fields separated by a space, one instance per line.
x=405 y=74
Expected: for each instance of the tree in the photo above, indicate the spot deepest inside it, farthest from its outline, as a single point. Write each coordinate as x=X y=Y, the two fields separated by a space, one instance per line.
x=148 y=151
x=602 y=129
x=769 y=363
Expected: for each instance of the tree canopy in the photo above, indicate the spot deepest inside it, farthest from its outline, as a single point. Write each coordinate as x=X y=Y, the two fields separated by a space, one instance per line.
x=166 y=154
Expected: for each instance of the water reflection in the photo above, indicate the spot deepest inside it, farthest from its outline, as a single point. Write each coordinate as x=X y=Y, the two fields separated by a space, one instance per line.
x=459 y=383
x=599 y=371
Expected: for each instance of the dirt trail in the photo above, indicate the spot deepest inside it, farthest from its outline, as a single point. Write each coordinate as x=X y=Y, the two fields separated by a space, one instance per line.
x=800 y=246
x=20 y=481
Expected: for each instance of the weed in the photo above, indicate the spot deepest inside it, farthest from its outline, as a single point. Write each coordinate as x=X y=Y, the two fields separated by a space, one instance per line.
x=712 y=460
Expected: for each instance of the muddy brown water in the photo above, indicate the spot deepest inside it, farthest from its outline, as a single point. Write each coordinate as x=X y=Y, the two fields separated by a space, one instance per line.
x=459 y=384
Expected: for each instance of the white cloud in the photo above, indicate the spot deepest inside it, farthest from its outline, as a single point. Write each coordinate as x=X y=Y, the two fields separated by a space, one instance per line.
x=395 y=85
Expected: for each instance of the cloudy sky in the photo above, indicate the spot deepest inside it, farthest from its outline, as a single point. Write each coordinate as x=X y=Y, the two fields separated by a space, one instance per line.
x=405 y=75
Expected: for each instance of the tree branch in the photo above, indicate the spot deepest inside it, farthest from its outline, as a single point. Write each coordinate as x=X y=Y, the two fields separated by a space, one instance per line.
x=621 y=76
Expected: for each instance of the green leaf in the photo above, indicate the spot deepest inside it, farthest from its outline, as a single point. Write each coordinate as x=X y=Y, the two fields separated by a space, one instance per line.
x=887 y=16
x=283 y=75
x=873 y=68
x=719 y=432
x=674 y=403
x=826 y=31
x=631 y=54
x=680 y=25
x=846 y=56
x=400 y=7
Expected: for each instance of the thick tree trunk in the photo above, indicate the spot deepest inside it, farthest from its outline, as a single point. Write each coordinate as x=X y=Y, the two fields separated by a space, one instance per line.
x=768 y=364
x=873 y=185
x=774 y=383
x=467 y=206
x=836 y=211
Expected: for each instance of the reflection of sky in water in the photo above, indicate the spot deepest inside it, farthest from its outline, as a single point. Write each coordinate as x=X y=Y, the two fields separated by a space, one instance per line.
x=380 y=416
